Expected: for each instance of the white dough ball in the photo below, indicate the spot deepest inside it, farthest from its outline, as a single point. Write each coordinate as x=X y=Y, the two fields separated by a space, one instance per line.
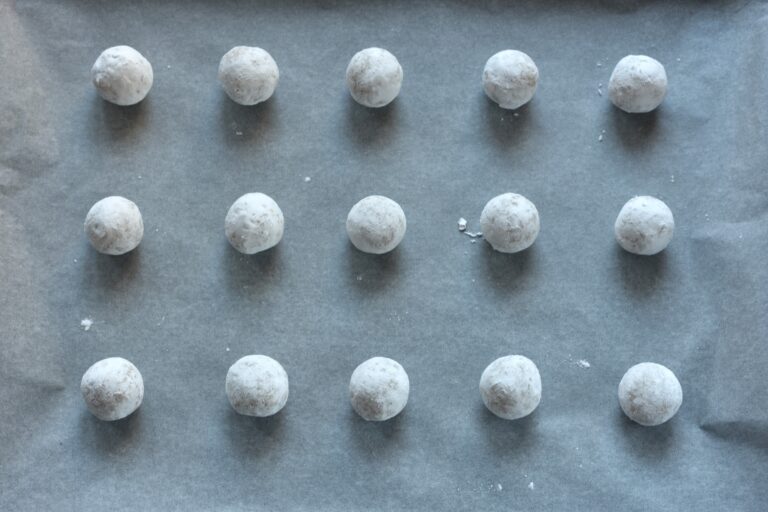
x=511 y=387
x=650 y=394
x=374 y=77
x=114 y=225
x=254 y=223
x=122 y=75
x=510 y=78
x=638 y=84
x=376 y=224
x=379 y=389
x=644 y=226
x=257 y=386
x=112 y=388
x=248 y=75
x=510 y=222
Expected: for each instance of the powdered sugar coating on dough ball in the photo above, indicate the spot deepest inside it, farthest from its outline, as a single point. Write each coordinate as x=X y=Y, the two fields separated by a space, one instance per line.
x=511 y=387
x=638 y=84
x=122 y=75
x=374 y=77
x=510 y=222
x=114 y=225
x=112 y=388
x=257 y=386
x=248 y=75
x=254 y=223
x=376 y=224
x=510 y=78
x=645 y=226
x=378 y=389
x=650 y=394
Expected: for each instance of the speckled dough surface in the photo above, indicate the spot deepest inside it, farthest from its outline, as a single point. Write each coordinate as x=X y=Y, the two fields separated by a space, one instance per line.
x=114 y=225
x=374 y=77
x=257 y=385
x=248 y=75
x=122 y=75
x=378 y=389
x=254 y=223
x=644 y=226
x=511 y=387
x=112 y=388
x=650 y=394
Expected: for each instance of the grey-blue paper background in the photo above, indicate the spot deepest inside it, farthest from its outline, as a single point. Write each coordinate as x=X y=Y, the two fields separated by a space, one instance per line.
x=185 y=305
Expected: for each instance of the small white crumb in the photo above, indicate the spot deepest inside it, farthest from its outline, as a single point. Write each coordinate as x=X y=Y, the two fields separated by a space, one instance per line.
x=602 y=131
x=359 y=278
x=86 y=324
x=157 y=229
x=227 y=349
x=741 y=236
x=678 y=59
x=168 y=66
x=516 y=114
x=583 y=363
x=599 y=64
x=471 y=234
x=307 y=179
x=531 y=486
x=473 y=241
x=672 y=178
x=600 y=138
x=75 y=260
x=599 y=92
x=462 y=224
x=238 y=132
x=499 y=487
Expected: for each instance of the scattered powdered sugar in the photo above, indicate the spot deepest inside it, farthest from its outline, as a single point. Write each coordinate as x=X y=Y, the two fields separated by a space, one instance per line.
x=462 y=224
x=499 y=487
x=583 y=363
x=531 y=486
x=86 y=324
x=307 y=179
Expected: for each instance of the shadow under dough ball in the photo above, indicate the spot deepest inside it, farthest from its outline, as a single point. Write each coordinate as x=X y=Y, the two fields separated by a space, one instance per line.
x=378 y=389
x=376 y=224
x=510 y=223
x=257 y=386
x=638 y=84
x=374 y=77
x=248 y=75
x=645 y=226
x=511 y=387
x=254 y=223
x=122 y=75
x=510 y=78
x=112 y=388
x=650 y=394
x=114 y=225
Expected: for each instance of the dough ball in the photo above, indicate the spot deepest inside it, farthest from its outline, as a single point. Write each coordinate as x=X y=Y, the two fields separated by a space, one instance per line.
x=379 y=389
x=644 y=226
x=112 y=388
x=122 y=75
x=248 y=74
x=638 y=84
x=510 y=222
x=511 y=387
x=254 y=223
x=376 y=224
x=510 y=78
x=650 y=394
x=257 y=386
x=114 y=225
x=374 y=77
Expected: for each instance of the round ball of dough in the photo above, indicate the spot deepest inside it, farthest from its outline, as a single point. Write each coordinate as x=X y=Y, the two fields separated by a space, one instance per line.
x=376 y=224
x=122 y=75
x=511 y=387
x=112 y=388
x=374 y=77
x=257 y=386
x=254 y=223
x=248 y=75
x=510 y=222
x=650 y=394
x=379 y=389
x=510 y=78
x=644 y=226
x=114 y=225
x=638 y=84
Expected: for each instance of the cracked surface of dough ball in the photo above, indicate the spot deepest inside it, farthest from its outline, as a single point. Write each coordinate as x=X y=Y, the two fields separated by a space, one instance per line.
x=248 y=75
x=257 y=386
x=510 y=78
x=378 y=389
x=650 y=394
x=638 y=84
x=511 y=387
x=122 y=75
x=645 y=226
x=376 y=224
x=510 y=223
x=112 y=388
x=254 y=223
x=114 y=225
x=374 y=77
